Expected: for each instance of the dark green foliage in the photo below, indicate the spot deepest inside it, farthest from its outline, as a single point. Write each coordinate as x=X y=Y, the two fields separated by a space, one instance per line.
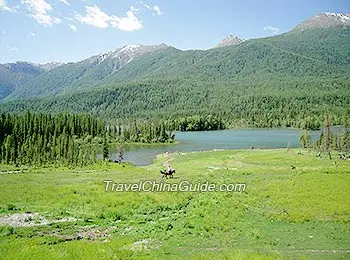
x=327 y=136
x=330 y=45
x=105 y=149
x=330 y=139
x=67 y=139
x=197 y=123
x=147 y=132
x=38 y=139
x=345 y=140
x=263 y=105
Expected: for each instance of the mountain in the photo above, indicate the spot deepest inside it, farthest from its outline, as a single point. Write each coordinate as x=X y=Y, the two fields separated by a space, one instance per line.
x=229 y=41
x=13 y=75
x=84 y=74
x=49 y=66
x=284 y=80
x=24 y=68
x=325 y=20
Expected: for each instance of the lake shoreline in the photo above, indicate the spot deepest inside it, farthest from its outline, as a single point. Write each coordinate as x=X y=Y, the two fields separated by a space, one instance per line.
x=234 y=139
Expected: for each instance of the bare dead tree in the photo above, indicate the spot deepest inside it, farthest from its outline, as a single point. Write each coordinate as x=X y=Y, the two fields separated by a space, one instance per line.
x=327 y=137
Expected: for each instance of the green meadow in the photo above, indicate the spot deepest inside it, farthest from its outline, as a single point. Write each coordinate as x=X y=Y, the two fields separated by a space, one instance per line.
x=295 y=206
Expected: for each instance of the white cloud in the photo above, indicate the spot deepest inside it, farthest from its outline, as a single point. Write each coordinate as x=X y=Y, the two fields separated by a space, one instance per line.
x=145 y=5
x=40 y=12
x=157 y=10
x=129 y=23
x=95 y=17
x=5 y=7
x=134 y=10
x=69 y=19
x=31 y=35
x=272 y=29
x=64 y=1
x=73 y=27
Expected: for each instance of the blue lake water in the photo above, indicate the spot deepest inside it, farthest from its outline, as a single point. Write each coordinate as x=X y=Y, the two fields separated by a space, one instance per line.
x=209 y=140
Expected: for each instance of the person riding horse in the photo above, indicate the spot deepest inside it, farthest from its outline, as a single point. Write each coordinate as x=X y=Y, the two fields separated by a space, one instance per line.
x=168 y=172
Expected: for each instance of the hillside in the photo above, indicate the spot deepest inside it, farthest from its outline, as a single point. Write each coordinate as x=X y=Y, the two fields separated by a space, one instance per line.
x=285 y=80
x=83 y=74
x=13 y=75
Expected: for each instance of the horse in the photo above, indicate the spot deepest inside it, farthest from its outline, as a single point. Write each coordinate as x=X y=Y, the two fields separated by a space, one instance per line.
x=166 y=173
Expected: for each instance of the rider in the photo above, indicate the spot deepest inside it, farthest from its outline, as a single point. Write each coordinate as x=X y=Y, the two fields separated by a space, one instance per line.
x=169 y=169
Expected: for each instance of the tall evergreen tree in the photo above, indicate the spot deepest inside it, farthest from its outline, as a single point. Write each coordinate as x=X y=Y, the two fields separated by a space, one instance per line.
x=327 y=134
x=105 y=149
x=305 y=139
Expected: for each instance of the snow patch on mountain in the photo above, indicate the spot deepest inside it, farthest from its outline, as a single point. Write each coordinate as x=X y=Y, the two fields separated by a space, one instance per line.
x=325 y=20
x=124 y=55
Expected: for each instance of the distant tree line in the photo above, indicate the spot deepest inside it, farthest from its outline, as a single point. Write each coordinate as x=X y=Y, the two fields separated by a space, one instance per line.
x=196 y=123
x=137 y=131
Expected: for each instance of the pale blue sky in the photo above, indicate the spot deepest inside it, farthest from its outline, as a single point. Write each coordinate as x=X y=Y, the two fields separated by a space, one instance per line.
x=71 y=30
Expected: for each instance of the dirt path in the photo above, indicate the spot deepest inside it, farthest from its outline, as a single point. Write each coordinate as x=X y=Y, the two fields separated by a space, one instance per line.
x=29 y=220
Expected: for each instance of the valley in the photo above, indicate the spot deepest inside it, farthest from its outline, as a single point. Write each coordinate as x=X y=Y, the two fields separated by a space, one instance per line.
x=81 y=142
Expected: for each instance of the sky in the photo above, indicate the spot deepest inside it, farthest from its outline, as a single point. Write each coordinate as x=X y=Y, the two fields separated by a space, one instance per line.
x=43 y=31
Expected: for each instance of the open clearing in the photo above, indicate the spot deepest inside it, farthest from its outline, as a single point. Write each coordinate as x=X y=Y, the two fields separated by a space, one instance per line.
x=294 y=207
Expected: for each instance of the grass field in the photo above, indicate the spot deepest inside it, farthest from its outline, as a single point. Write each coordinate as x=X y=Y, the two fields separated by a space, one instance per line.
x=294 y=207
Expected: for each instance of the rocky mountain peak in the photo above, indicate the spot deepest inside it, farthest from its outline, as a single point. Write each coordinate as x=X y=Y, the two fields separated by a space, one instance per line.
x=325 y=20
x=122 y=56
x=229 y=41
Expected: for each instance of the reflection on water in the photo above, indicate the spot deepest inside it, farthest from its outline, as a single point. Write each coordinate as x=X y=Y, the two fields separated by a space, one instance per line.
x=209 y=140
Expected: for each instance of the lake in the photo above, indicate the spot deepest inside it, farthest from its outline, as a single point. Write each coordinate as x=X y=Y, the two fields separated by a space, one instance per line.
x=141 y=155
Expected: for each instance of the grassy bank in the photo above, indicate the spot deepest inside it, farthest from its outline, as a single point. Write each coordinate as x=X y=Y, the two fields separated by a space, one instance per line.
x=294 y=206
x=151 y=144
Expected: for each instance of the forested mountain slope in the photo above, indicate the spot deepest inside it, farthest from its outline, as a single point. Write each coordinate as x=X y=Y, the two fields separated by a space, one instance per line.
x=13 y=75
x=81 y=75
x=285 y=80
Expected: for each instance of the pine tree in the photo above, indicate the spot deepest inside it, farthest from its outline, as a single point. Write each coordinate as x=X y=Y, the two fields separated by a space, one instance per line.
x=9 y=149
x=346 y=138
x=105 y=149
x=327 y=134
x=305 y=139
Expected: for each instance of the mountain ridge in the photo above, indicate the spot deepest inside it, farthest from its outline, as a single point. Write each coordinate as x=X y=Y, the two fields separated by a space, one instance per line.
x=89 y=71
x=108 y=68
x=297 y=74
x=325 y=20
x=317 y=21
